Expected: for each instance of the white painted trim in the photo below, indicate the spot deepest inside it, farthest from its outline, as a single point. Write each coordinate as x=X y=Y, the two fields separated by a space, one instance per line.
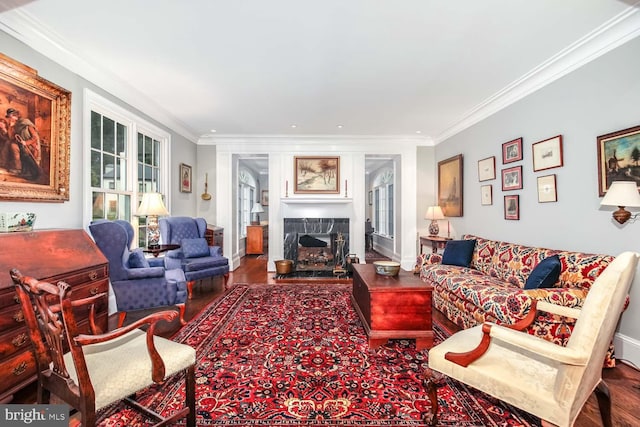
x=304 y=140
x=627 y=348
x=31 y=31
x=613 y=33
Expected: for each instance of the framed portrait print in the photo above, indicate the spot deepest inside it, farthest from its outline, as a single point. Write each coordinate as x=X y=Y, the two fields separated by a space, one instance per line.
x=618 y=156
x=512 y=178
x=35 y=135
x=547 y=189
x=512 y=151
x=320 y=175
x=512 y=207
x=486 y=195
x=487 y=169
x=185 y=178
x=547 y=154
x=264 y=198
x=450 y=185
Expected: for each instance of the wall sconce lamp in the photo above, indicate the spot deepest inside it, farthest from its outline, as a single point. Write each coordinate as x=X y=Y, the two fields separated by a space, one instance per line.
x=434 y=213
x=152 y=206
x=257 y=209
x=622 y=194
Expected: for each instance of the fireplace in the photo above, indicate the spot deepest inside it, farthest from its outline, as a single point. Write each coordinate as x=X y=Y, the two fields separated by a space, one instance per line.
x=316 y=244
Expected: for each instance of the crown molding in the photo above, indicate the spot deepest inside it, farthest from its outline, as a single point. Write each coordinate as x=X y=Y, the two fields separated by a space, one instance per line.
x=46 y=41
x=409 y=140
x=610 y=35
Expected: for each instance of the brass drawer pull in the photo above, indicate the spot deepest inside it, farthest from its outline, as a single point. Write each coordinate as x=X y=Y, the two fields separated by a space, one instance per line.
x=19 y=317
x=16 y=298
x=20 y=369
x=19 y=340
x=93 y=275
x=94 y=291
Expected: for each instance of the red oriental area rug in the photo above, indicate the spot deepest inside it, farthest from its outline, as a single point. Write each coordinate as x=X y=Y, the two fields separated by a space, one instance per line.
x=297 y=355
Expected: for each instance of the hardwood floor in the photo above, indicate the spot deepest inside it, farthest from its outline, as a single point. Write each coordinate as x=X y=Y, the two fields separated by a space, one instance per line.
x=623 y=380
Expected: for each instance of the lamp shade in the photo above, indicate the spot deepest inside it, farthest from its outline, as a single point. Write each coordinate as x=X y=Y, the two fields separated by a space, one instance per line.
x=434 y=212
x=622 y=193
x=152 y=204
x=257 y=208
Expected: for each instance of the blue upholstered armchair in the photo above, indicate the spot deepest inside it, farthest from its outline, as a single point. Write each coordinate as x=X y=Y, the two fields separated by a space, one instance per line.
x=137 y=282
x=195 y=256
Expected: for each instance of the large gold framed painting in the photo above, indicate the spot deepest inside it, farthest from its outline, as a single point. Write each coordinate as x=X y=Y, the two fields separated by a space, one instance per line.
x=34 y=135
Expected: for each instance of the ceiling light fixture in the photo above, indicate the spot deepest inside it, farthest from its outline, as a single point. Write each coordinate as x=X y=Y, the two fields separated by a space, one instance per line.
x=294 y=126
x=339 y=126
x=418 y=131
x=213 y=131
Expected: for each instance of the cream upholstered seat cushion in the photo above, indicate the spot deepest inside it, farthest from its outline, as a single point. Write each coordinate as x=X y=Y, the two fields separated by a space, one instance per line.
x=540 y=377
x=122 y=366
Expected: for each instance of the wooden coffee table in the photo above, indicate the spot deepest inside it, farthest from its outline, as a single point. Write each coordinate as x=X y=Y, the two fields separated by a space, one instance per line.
x=392 y=307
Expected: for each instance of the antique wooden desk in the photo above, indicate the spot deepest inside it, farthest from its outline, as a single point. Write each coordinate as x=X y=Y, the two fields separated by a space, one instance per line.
x=51 y=255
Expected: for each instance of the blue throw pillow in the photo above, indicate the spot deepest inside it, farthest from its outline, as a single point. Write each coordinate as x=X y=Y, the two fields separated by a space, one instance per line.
x=137 y=259
x=458 y=252
x=194 y=248
x=545 y=274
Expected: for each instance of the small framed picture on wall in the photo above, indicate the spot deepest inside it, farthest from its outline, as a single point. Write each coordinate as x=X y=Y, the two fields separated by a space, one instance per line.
x=512 y=178
x=486 y=195
x=512 y=207
x=185 y=178
x=512 y=151
x=547 y=189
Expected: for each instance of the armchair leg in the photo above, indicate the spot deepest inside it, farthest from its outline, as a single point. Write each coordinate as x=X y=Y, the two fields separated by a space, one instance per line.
x=181 y=308
x=604 y=403
x=432 y=381
x=121 y=317
x=190 y=284
x=226 y=280
x=190 y=396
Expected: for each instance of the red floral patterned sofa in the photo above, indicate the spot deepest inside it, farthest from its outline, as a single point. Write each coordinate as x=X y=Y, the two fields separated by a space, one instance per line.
x=492 y=288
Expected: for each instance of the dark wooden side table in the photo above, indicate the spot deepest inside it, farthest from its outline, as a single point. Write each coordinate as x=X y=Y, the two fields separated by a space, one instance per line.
x=392 y=307
x=157 y=250
x=436 y=242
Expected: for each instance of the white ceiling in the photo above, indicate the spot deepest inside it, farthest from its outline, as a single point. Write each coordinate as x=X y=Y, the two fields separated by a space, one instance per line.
x=376 y=67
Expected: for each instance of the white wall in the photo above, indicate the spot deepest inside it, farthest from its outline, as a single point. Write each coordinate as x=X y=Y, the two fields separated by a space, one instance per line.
x=601 y=97
x=281 y=152
x=69 y=214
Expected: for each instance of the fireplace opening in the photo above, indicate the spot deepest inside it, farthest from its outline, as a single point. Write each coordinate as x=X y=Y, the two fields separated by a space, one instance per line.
x=318 y=246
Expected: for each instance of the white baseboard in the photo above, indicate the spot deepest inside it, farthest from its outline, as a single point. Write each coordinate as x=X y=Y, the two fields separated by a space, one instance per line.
x=627 y=349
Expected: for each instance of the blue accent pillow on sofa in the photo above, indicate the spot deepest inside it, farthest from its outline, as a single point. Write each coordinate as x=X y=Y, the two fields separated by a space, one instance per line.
x=137 y=259
x=195 y=248
x=458 y=252
x=545 y=274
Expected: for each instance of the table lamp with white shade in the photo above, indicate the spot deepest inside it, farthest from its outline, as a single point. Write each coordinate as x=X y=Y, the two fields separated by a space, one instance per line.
x=434 y=213
x=257 y=209
x=152 y=206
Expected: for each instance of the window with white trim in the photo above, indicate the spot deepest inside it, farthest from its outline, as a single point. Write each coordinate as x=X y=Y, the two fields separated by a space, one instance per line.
x=127 y=158
x=384 y=212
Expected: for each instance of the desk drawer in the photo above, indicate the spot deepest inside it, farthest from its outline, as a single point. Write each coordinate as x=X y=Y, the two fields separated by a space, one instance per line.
x=17 y=369
x=14 y=341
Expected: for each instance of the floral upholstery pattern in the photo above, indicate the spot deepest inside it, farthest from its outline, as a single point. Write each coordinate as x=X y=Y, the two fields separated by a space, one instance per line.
x=492 y=288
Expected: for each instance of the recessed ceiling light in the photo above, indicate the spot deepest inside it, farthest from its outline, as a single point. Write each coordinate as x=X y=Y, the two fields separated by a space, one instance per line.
x=339 y=126
x=418 y=131
x=213 y=131
x=294 y=126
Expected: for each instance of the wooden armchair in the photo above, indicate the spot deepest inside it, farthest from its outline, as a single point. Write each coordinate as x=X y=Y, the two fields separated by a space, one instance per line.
x=98 y=368
x=545 y=379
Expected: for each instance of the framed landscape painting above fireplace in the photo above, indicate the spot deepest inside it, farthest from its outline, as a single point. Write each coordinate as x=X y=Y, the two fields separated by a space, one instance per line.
x=316 y=175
